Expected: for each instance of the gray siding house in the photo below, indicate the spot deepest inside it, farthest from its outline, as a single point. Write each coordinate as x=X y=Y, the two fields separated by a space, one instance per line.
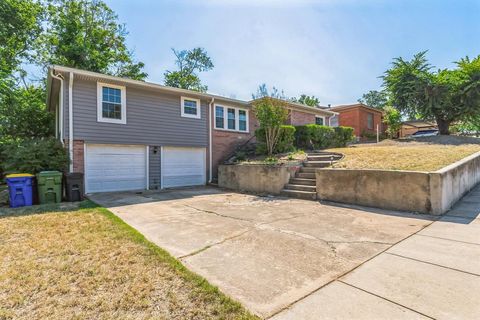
x=126 y=134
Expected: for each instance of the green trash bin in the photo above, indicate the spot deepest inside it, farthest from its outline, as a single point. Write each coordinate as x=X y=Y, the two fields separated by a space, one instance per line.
x=49 y=184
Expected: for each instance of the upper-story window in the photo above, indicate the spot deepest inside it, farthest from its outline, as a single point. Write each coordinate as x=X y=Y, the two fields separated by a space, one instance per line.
x=370 y=120
x=231 y=119
x=190 y=107
x=320 y=120
x=111 y=103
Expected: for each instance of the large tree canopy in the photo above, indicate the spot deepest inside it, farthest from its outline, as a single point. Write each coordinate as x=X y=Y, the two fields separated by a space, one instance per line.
x=86 y=35
x=444 y=95
x=374 y=99
x=189 y=63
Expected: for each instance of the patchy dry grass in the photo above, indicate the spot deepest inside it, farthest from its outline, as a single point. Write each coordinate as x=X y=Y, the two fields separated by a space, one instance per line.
x=425 y=155
x=85 y=263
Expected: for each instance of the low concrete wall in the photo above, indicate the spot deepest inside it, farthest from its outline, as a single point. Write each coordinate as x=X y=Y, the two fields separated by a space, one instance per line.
x=426 y=192
x=451 y=183
x=256 y=178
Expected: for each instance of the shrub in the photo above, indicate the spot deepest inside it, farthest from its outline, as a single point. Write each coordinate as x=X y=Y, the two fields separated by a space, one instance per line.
x=285 y=141
x=312 y=136
x=34 y=155
x=342 y=136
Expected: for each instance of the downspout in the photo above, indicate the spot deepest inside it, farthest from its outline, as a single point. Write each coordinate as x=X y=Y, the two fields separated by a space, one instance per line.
x=60 y=105
x=70 y=119
x=210 y=115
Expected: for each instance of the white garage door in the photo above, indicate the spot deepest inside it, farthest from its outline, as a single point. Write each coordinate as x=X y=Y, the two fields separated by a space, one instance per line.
x=183 y=167
x=115 y=168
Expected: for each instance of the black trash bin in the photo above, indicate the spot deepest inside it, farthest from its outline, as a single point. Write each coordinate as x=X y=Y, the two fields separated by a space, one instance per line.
x=74 y=186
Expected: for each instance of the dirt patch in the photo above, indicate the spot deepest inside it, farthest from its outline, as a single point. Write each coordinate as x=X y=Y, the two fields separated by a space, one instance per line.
x=421 y=154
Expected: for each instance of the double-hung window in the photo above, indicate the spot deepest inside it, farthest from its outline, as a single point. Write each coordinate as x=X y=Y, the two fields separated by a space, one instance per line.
x=190 y=107
x=370 y=120
x=231 y=119
x=111 y=103
x=320 y=120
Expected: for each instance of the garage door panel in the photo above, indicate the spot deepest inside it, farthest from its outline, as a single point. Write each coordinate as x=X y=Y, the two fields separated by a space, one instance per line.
x=115 y=168
x=183 y=167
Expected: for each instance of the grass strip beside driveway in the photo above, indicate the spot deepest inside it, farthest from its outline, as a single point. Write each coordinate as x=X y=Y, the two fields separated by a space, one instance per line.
x=84 y=262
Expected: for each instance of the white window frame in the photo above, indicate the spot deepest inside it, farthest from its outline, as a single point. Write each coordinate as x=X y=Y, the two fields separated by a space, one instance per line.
x=188 y=115
x=323 y=118
x=225 y=118
x=123 y=97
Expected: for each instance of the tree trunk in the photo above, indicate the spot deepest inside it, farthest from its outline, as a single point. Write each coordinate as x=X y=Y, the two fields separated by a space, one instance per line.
x=443 y=126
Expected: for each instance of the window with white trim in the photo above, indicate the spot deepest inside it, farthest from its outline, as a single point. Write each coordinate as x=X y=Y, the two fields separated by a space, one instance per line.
x=190 y=107
x=111 y=103
x=231 y=119
x=320 y=120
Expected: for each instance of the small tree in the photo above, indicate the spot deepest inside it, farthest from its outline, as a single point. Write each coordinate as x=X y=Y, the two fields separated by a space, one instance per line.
x=393 y=120
x=271 y=112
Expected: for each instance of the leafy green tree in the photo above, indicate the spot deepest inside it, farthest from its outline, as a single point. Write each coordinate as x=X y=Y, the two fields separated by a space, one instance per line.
x=311 y=101
x=86 y=35
x=189 y=63
x=444 y=95
x=374 y=99
x=393 y=119
x=23 y=114
x=271 y=111
x=19 y=27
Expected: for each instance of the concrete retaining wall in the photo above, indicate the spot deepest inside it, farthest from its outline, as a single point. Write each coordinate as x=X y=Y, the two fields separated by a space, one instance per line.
x=451 y=183
x=256 y=178
x=426 y=192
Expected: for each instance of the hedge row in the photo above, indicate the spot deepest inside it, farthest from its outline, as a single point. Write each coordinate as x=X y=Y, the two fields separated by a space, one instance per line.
x=310 y=136
x=32 y=156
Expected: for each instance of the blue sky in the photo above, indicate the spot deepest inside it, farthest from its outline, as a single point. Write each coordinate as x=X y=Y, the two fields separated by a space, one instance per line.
x=333 y=49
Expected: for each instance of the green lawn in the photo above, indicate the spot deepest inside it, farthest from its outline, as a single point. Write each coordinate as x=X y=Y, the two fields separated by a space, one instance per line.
x=81 y=261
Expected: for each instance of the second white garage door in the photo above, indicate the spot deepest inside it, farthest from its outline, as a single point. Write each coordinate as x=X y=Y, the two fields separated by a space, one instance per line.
x=115 y=167
x=183 y=167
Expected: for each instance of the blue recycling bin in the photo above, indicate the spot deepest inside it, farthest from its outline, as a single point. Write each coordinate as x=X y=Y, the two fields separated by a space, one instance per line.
x=20 y=189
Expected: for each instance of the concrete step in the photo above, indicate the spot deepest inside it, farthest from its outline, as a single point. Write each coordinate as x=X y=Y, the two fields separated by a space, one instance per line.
x=303 y=181
x=299 y=194
x=300 y=187
x=317 y=164
x=307 y=175
x=323 y=157
x=307 y=170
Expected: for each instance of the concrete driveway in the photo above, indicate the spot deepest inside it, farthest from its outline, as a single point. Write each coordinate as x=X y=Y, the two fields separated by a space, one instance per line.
x=291 y=259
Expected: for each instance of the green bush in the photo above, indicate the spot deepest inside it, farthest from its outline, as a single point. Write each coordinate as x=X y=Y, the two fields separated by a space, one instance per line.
x=312 y=136
x=285 y=141
x=342 y=136
x=33 y=156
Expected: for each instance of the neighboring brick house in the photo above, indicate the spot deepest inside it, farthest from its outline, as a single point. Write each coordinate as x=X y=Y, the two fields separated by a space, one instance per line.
x=129 y=135
x=362 y=118
x=410 y=127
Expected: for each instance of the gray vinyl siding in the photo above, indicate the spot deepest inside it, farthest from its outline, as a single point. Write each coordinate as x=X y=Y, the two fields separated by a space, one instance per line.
x=153 y=118
x=154 y=170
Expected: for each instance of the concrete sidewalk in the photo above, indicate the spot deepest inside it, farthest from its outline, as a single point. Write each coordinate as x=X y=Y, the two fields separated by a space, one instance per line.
x=433 y=274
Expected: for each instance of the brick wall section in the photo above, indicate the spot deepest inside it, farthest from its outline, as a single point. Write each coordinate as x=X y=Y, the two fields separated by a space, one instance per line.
x=225 y=142
x=357 y=118
x=78 y=156
x=350 y=118
x=297 y=118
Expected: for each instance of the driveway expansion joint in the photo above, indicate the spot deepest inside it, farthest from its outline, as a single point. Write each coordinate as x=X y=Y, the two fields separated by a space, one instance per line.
x=433 y=264
x=383 y=298
x=454 y=240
